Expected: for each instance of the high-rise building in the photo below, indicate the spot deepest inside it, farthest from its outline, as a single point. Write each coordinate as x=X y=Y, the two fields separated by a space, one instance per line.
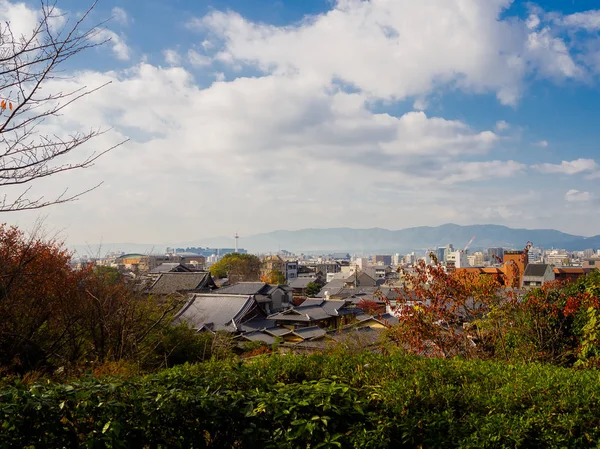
x=382 y=260
x=495 y=255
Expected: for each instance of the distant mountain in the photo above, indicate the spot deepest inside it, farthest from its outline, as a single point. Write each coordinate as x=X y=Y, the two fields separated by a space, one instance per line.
x=411 y=239
x=377 y=240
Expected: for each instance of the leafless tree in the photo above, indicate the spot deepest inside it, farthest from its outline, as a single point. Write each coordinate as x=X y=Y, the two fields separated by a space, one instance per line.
x=28 y=62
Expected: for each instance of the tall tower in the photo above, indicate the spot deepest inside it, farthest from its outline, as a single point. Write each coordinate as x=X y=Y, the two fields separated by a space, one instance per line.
x=236 y=241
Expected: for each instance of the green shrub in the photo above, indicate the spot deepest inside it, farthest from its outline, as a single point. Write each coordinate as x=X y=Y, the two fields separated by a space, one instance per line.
x=360 y=401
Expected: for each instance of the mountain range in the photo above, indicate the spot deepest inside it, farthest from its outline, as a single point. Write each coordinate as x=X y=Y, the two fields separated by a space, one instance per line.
x=377 y=240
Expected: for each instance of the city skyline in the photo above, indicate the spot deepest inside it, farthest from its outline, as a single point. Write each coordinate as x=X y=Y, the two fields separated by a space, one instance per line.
x=330 y=114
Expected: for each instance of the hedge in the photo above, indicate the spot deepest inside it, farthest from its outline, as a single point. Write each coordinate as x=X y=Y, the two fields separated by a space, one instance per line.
x=316 y=401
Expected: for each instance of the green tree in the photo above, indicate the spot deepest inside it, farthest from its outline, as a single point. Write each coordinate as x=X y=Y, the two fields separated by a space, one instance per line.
x=312 y=288
x=237 y=267
x=275 y=277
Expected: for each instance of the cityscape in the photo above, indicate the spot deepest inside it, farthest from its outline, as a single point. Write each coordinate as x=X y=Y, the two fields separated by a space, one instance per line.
x=299 y=224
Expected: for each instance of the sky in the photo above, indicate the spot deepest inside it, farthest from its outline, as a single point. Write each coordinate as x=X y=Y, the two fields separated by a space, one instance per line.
x=249 y=116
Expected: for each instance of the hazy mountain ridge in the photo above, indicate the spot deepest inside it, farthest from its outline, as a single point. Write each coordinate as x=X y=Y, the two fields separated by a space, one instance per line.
x=379 y=240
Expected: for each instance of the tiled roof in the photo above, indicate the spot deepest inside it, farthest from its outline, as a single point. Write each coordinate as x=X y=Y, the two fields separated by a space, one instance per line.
x=310 y=333
x=169 y=267
x=218 y=312
x=171 y=283
x=244 y=288
x=259 y=336
x=535 y=270
x=301 y=282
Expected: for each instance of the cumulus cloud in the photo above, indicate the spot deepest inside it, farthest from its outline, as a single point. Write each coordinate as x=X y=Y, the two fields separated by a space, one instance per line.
x=117 y=43
x=588 y=20
x=542 y=143
x=395 y=50
x=569 y=167
x=301 y=133
x=576 y=196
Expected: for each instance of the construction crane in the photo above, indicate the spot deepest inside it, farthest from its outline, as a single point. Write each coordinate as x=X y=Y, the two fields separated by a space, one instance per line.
x=469 y=244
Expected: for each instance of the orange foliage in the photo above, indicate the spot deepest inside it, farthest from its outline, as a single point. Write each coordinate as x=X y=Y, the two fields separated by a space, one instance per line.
x=432 y=314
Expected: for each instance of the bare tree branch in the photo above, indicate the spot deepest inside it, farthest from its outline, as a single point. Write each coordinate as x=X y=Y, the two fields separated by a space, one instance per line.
x=27 y=64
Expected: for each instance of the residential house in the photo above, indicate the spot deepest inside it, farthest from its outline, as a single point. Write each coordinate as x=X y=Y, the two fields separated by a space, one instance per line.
x=299 y=285
x=169 y=284
x=592 y=263
x=272 y=298
x=170 y=267
x=210 y=312
x=537 y=274
x=317 y=312
x=571 y=273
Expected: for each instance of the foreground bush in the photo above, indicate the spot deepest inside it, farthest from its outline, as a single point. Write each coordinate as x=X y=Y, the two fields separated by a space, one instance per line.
x=316 y=401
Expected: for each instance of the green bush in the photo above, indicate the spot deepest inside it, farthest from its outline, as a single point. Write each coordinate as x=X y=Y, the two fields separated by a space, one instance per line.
x=362 y=401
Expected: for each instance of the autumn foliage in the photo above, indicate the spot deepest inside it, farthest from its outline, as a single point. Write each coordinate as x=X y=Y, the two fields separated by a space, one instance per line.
x=461 y=313
x=55 y=316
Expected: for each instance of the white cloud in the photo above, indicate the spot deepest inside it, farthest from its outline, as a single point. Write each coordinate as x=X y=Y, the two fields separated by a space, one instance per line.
x=304 y=135
x=420 y=104
x=118 y=46
x=569 y=167
x=254 y=141
x=120 y=15
x=480 y=171
x=533 y=21
x=23 y=20
x=542 y=143
x=172 y=57
x=588 y=20
x=578 y=196
x=502 y=126
x=197 y=59
x=551 y=55
x=395 y=50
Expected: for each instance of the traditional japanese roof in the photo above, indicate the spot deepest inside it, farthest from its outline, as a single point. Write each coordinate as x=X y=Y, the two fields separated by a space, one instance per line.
x=278 y=331
x=245 y=288
x=219 y=312
x=258 y=323
x=310 y=333
x=258 y=336
x=171 y=283
x=169 y=267
x=302 y=282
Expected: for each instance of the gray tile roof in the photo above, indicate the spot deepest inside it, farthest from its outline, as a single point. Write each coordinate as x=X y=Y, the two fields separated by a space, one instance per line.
x=535 y=269
x=310 y=333
x=334 y=307
x=310 y=302
x=256 y=324
x=259 y=336
x=304 y=314
x=389 y=318
x=301 y=282
x=169 y=267
x=244 y=288
x=171 y=283
x=218 y=312
x=279 y=331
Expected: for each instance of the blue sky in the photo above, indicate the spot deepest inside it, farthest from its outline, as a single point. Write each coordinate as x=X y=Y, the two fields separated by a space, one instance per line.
x=249 y=116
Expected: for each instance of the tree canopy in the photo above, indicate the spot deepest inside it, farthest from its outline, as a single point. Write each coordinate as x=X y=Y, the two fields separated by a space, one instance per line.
x=237 y=267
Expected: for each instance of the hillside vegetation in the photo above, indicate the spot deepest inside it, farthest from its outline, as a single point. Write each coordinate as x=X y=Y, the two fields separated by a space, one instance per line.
x=338 y=400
